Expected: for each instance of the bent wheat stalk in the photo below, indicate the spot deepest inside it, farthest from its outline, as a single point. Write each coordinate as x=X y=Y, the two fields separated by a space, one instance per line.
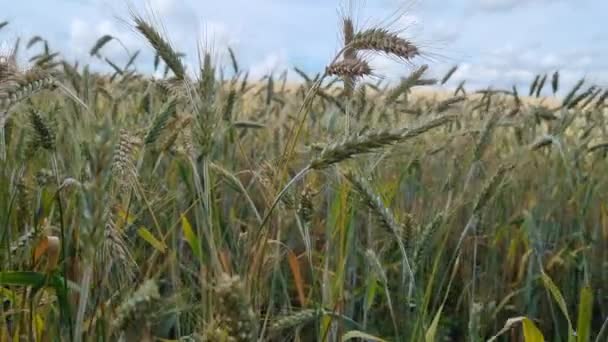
x=356 y=145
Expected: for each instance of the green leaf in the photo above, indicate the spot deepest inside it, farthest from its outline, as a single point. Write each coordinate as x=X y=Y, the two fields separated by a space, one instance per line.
x=151 y=239
x=34 y=279
x=585 y=308
x=37 y=281
x=431 y=332
x=191 y=238
x=359 y=334
x=370 y=293
x=561 y=302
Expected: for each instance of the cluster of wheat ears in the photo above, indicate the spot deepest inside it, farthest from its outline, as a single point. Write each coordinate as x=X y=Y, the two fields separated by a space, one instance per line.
x=200 y=207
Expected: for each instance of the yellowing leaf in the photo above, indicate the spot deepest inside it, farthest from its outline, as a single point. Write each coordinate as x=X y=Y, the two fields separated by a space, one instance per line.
x=585 y=309
x=224 y=255
x=49 y=245
x=151 y=239
x=531 y=332
x=556 y=260
x=523 y=266
x=294 y=265
x=359 y=334
x=39 y=326
x=561 y=302
x=41 y=248
x=122 y=214
x=191 y=238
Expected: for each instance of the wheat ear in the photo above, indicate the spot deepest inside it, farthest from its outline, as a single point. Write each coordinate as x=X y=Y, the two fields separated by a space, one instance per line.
x=382 y=40
x=161 y=46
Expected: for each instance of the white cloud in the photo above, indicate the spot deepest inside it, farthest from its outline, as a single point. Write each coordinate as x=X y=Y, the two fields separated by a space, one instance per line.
x=518 y=65
x=272 y=63
x=80 y=34
x=216 y=36
x=551 y=60
x=273 y=35
x=83 y=35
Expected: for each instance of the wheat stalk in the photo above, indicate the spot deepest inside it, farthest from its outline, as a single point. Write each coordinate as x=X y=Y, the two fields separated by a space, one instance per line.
x=115 y=253
x=160 y=122
x=485 y=137
x=406 y=84
x=356 y=145
x=424 y=238
x=386 y=219
x=372 y=141
x=490 y=188
x=359 y=144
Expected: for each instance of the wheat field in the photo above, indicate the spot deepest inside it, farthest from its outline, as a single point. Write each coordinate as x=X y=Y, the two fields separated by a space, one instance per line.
x=199 y=207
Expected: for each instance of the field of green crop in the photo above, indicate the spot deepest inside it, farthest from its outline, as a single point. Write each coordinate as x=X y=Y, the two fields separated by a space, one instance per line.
x=338 y=208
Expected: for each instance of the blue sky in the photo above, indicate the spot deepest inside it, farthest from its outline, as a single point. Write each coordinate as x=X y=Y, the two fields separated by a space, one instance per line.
x=495 y=42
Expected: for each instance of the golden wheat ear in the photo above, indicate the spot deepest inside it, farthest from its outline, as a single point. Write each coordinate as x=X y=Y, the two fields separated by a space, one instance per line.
x=383 y=41
x=349 y=68
x=9 y=67
x=19 y=87
x=235 y=319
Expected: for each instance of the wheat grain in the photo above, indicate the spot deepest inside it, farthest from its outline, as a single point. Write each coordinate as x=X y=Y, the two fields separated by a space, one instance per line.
x=372 y=141
x=161 y=46
x=235 y=315
x=384 y=41
x=295 y=320
x=114 y=255
x=123 y=163
x=160 y=122
x=134 y=308
x=349 y=68
x=21 y=86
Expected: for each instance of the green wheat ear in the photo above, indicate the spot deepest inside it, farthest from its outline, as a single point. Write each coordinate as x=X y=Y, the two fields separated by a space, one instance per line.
x=133 y=310
x=44 y=134
x=161 y=46
x=123 y=163
x=295 y=320
x=160 y=122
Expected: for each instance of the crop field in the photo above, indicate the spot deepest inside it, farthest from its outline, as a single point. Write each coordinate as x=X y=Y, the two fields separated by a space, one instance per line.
x=203 y=207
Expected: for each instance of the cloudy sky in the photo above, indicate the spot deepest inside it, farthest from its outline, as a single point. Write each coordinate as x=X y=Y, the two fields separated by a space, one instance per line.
x=495 y=42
